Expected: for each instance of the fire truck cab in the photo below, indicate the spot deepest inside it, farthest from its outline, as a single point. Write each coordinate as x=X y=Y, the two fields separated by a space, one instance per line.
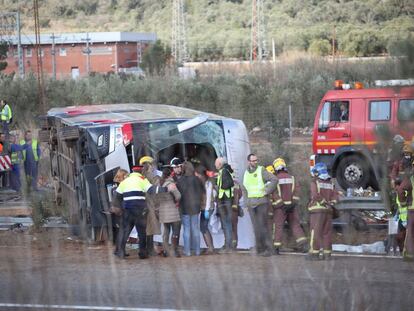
x=353 y=130
x=88 y=144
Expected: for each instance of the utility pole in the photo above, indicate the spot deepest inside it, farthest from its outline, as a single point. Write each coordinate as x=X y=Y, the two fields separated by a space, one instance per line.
x=87 y=51
x=10 y=28
x=40 y=82
x=53 y=52
x=258 y=33
x=178 y=36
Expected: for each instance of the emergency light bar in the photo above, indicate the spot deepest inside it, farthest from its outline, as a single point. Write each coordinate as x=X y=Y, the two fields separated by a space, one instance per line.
x=403 y=82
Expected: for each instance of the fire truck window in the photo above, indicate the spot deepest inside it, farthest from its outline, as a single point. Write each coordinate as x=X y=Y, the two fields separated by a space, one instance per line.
x=340 y=111
x=406 y=110
x=380 y=111
x=324 y=116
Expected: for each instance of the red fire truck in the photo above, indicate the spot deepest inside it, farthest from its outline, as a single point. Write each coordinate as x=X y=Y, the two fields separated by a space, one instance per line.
x=354 y=127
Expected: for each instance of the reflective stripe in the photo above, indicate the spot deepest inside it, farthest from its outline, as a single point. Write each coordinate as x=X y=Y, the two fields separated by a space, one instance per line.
x=134 y=198
x=327 y=251
x=277 y=202
x=311 y=241
x=277 y=244
x=287 y=202
x=323 y=185
x=316 y=207
x=296 y=198
x=285 y=181
x=301 y=239
x=34 y=149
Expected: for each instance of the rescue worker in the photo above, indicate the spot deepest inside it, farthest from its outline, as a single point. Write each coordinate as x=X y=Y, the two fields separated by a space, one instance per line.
x=270 y=224
x=177 y=165
x=31 y=156
x=151 y=173
x=403 y=199
x=408 y=252
x=284 y=201
x=130 y=195
x=6 y=116
x=225 y=186
x=399 y=166
x=237 y=212
x=16 y=158
x=323 y=200
x=256 y=191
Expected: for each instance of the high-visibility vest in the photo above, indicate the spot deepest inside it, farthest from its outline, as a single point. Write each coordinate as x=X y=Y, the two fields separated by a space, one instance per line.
x=34 y=149
x=222 y=192
x=411 y=208
x=402 y=210
x=8 y=116
x=254 y=184
x=133 y=189
x=15 y=157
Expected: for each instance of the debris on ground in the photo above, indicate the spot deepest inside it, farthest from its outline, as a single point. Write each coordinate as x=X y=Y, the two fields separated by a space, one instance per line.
x=374 y=248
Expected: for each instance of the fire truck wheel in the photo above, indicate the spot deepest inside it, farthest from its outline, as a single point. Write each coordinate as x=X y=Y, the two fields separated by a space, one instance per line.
x=353 y=172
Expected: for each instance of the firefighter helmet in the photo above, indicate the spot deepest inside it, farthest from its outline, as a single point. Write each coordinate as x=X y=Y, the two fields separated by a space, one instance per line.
x=279 y=164
x=145 y=159
x=320 y=170
x=270 y=169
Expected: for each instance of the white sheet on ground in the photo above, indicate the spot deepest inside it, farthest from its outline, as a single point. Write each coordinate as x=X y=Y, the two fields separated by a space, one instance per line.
x=374 y=248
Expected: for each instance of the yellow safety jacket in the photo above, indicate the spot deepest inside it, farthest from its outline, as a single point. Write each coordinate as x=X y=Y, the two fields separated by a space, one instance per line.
x=133 y=189
x=34 y=149
x=6 y=117
x=222 y=192
x=254 y=184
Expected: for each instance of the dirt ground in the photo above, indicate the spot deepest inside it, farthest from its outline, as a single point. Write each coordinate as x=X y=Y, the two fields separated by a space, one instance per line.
x=51 y=268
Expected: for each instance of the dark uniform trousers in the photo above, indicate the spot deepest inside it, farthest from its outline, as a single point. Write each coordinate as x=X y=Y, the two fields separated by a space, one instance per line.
x=279 y=218
x=133 y=217
x=259 y=216
x=321 y=232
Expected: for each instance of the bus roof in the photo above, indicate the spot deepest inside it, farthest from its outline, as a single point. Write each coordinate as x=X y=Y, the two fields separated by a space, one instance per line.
x=123 y=113
x=390 y=92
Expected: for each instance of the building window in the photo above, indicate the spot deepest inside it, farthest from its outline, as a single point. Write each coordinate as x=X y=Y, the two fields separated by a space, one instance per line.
x=42 y=52
x=28 y=52
x=62 y=51
x=406 y=110
x=380 y=110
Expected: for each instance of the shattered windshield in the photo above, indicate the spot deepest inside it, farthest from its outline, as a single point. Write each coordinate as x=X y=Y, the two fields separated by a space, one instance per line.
x=161 y=135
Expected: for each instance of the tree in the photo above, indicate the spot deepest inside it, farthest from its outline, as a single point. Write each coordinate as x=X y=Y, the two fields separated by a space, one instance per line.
x=4 y=47
x=320 y=47
x=155 y=58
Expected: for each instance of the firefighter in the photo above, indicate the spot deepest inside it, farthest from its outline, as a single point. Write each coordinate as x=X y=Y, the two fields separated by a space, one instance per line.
x=399 y=167
x=6 y=116
x=256 y=192
x=408 y=252
x=284 y=202
x=130 y=196
x=323 y=199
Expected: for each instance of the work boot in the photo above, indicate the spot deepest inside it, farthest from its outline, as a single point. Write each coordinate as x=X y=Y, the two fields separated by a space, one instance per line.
x=234 y=245
x=150 y=246
x=312 y=257
x=208 y=239
x=276 y=251
x=266 y=253
x=143 y=254
x=175 y=243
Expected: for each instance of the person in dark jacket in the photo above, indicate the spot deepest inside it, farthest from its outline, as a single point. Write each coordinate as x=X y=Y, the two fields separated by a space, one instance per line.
x=192 y=192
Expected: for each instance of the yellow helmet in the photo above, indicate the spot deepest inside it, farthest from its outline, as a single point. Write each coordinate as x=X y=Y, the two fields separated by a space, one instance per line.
x=145 y=159
x=407 y=148
x=270 y=169
x=279 y=164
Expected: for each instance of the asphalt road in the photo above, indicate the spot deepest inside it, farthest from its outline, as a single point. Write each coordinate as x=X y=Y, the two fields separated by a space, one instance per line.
x=56 y=275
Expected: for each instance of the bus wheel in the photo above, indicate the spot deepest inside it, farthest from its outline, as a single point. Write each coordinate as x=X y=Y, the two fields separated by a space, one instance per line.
x=353 y=172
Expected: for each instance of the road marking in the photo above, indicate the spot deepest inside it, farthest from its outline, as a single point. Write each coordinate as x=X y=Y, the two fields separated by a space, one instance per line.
x=41 y=306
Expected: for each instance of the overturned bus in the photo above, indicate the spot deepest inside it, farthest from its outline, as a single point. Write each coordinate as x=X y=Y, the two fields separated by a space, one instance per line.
x=88 y=144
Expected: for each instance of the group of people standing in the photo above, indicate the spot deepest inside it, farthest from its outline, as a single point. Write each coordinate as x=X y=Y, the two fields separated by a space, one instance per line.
x=187 y=195
x=24 y=152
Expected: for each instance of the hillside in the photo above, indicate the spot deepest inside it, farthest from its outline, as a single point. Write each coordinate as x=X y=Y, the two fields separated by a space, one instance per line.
x=220 y=29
